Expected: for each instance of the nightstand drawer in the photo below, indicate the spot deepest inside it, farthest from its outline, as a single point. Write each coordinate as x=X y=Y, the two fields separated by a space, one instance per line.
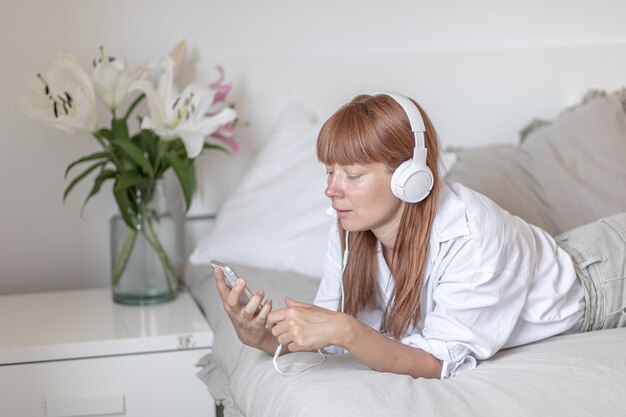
x=142 y=385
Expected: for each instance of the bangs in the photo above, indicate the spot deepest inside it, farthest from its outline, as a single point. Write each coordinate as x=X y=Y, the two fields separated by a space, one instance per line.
x=350 y=137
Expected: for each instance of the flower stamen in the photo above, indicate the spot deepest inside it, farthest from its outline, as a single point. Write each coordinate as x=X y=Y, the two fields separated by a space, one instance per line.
x=64 y=103
x=103 y=58
x=47 y=87
x=184 y=112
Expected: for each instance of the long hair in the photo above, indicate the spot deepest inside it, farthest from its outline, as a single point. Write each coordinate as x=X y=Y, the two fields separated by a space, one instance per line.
x=376 y=129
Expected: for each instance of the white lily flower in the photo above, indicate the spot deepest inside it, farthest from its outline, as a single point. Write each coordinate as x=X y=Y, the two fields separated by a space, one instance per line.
x=185 y=115
x=112 y=79
x=64 y=97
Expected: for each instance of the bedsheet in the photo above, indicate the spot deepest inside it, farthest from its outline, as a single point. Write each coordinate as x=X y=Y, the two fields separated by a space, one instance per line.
x=570 y=375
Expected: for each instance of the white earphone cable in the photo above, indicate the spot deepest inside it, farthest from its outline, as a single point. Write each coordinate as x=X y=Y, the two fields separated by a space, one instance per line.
x=277 y=354
x=344 y=264
x=279 y=349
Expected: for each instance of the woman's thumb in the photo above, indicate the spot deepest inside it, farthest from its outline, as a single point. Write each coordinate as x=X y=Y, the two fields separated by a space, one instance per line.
x=292 y=303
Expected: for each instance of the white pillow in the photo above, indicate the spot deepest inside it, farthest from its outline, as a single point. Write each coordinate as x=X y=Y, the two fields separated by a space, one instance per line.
x=275 y=218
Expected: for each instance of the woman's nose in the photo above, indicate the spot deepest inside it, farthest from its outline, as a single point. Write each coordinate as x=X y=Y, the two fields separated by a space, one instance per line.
x=332 y=190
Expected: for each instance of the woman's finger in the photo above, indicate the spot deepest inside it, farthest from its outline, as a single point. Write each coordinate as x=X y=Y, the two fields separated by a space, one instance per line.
x=293 y=303
x=280 y=328
x=251 y=308
x=294 y=347
x=285 y=339
x=235 y=293
x=222 y=288
x=265 y=311
x=277 y=316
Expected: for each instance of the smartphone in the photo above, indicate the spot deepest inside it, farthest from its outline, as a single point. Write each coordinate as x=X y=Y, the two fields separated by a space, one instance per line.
x=230 y=277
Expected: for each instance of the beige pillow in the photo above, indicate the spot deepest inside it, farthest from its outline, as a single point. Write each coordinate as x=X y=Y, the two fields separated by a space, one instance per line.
x=564 y=174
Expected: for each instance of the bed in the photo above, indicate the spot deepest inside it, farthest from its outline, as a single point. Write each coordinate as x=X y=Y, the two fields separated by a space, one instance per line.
x=558 y=174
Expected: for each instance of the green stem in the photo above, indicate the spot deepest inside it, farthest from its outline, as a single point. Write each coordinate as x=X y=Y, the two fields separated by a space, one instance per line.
x=133 y=105
x=161 y=164
x=109 y=150
x=153 y=240
x=124 y=255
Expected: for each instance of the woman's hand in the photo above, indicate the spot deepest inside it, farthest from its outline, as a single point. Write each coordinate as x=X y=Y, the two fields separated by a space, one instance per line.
x=306 y=327
x=250 y=329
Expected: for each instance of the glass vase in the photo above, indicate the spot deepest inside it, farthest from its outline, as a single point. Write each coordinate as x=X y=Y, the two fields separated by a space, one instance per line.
x=146 y=262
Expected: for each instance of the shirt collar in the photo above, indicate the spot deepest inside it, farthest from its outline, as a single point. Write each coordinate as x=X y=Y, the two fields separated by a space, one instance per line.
x=451 y=220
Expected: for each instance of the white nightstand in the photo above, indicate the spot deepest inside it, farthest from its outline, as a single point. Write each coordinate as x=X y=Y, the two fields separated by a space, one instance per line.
x=76 y=353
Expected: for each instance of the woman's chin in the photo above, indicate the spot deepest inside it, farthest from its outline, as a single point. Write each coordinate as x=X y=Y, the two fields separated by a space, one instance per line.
x=350 y=226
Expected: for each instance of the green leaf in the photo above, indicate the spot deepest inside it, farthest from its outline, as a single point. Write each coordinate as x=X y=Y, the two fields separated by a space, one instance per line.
x=123 y=203
x=133 y=105
x=162 y=162
x=177 y=147
x=191 y=172
x=149 y=140
x=106 y=133
x=216 y=147
x=106 y=174
x=80 y=177
x=187 y=181
x=92 y=157
x=119 y=128
x=129 y=179
x=135 y=154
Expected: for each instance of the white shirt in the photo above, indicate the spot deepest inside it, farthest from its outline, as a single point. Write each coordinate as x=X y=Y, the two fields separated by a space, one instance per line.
x=492 y=281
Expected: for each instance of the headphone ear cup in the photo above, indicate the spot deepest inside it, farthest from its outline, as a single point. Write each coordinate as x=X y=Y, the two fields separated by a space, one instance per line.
x=411 y=182
x=397 y=187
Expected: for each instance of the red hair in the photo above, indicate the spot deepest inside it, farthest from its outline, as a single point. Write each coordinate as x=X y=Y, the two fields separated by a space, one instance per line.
x=376 y=129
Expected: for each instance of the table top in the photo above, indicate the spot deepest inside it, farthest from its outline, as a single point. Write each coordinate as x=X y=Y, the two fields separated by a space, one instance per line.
x=60 y=325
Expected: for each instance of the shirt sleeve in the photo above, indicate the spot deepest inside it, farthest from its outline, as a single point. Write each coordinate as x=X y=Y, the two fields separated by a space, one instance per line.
x=477 y=305
x=328 y=293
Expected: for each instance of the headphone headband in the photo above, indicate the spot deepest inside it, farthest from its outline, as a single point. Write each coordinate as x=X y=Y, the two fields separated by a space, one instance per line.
x=413 y=114
x=412 y=181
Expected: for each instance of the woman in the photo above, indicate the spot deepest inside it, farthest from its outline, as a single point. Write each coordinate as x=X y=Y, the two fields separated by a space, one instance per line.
x=436 y=276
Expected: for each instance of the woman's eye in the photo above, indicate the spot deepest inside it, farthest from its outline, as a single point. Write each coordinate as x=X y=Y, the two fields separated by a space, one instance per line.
x=354 y=177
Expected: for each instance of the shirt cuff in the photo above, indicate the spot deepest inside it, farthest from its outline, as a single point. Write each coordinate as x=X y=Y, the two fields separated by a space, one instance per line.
x=456 y=358
x=452 y=369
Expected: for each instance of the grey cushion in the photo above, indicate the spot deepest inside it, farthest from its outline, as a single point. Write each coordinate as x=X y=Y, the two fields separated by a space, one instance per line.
x=564 y=174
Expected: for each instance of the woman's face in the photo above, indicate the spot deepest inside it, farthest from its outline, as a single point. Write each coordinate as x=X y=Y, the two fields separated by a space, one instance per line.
x=362 y=197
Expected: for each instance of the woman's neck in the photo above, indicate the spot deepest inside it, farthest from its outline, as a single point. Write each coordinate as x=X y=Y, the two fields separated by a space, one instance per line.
x=387 y=240
x=386 y=234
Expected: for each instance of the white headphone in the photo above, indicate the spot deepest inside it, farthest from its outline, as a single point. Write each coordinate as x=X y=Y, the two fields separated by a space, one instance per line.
x=412 y=181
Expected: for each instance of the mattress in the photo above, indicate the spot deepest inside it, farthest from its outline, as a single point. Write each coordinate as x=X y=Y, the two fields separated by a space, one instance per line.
x=570 y=375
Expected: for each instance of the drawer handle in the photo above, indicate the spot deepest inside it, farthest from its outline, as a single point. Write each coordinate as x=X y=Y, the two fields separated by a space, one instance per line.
x=85 y=406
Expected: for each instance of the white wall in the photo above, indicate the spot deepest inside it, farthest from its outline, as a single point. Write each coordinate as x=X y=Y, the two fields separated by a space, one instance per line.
x=44 y=244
